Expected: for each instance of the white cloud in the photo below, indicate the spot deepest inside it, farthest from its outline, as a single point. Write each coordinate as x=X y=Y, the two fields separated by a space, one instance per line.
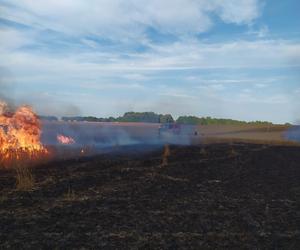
x=127 y=18
x=12 y=39
x=248 y=96
x=177 y=94
x=238 y=11
x=237 y=54
x=111 y=86
x=218 y=87
x=118 y=68
x=140 y=66
x=261 y=85
x=262 y=32
x=136 y=77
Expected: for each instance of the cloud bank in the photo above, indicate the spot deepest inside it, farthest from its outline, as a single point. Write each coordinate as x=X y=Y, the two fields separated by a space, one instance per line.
x=106 y=57
x=118 y=18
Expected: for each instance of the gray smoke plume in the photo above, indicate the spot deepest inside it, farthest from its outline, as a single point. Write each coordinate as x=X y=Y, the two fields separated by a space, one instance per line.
x=98 y=135
x=6 y=90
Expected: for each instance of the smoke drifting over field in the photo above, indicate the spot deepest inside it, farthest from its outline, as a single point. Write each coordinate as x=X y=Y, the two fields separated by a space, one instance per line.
x=6 y=92
x=100 y=135
x=293 y=133
x=85 y=134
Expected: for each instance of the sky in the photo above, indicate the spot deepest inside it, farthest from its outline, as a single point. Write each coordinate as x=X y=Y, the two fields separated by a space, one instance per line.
x=236 y=59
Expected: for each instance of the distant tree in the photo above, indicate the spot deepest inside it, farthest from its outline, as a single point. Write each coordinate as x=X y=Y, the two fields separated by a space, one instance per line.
x=90 y=119
x=139 y=117
x=48 y=118
x=215 y=121
x=188 y=120
x=166 y=118
x=152 y=117
x=72 y=118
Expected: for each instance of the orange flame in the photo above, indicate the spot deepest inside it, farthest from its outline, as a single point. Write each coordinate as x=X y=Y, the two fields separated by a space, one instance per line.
x=19 y=135
x=62 y=139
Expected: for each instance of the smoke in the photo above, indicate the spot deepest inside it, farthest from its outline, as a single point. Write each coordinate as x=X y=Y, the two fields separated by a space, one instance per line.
x=6 y=90
x=52 y=108
x=98 y=135
x=87 y=134
x=3 y=107
x=42 y=102
x=46 y=105
x=293 y=134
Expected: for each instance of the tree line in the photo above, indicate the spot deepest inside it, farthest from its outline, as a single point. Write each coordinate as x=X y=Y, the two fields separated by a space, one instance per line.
x=215 y=121
x=151 y=117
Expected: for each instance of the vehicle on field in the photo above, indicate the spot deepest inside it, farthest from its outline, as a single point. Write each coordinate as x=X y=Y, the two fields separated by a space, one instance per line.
x=177 y=129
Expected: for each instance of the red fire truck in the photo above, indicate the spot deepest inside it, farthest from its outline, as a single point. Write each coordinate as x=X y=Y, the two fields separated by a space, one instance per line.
x=176 y=129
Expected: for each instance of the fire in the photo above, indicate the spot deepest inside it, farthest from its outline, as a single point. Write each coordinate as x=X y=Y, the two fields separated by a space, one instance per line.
x=19 y=135
x=62 y=139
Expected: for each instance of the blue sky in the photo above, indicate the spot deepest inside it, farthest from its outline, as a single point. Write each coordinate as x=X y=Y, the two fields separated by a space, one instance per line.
x=235 y=59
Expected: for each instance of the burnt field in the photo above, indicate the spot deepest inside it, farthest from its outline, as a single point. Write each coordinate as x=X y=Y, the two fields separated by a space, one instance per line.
x=217 y=196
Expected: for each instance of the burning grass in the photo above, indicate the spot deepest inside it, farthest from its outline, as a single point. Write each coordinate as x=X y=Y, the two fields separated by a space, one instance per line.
x=67 y=140
x=20 y=133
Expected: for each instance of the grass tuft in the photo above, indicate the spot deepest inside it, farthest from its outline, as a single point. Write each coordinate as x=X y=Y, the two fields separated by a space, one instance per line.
x=203 y=151
x=70 y=195
x=233 y=152
x=165 y=155
x=24 y=178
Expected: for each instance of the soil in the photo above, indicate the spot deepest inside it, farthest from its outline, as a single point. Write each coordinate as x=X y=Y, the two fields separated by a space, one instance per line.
x=219 y=196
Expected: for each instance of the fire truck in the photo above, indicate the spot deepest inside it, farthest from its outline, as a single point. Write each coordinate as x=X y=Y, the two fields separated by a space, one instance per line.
x=176 y=129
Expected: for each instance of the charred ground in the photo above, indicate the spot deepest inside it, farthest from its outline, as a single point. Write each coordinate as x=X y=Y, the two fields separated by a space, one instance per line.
x=240 y=196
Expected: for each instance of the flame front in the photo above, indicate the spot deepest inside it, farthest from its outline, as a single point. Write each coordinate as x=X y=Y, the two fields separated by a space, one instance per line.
x=19 y=135
x=62 y=139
